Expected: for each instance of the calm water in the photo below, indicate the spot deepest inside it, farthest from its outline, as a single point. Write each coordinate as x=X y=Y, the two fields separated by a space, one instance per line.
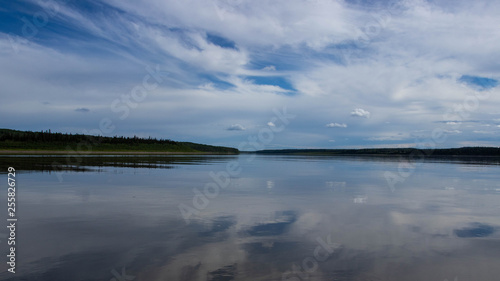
x=277 y=218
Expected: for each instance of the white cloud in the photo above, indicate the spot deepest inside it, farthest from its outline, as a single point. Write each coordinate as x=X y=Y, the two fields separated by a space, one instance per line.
x=336 y=125
x=483 y=132
x=236 y=127
x=453 y=131
x=269 y=68
x=386 y=138
x=358 y=112
x=271 y=124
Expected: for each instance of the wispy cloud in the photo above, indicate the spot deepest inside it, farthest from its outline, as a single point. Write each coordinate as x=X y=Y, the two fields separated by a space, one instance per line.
x=270 y=68
x=336 y=125
x=483 y=132
x=236 y=127
x=386 y=138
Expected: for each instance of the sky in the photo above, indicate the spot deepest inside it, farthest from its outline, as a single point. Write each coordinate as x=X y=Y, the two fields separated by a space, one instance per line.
x=280 y=74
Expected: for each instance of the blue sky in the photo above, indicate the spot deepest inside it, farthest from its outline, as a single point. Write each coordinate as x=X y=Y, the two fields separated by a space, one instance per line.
x=355 y=73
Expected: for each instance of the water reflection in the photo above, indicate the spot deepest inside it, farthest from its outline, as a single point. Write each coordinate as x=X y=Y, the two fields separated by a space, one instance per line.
x=87 y=163
x=475 y=230
x=281 y=218
x=279 y=225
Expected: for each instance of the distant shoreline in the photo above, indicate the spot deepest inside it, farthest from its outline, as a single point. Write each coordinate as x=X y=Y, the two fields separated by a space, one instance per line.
x=374 y=155
x=414 y=153
x=62 y=152
x=47 y=142
x=381 y=152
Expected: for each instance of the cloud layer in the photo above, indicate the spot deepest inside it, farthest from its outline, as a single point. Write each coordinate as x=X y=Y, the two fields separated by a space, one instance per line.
x=196 y=70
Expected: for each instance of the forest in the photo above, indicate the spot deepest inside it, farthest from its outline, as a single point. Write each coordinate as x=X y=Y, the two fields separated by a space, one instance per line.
x=49 y=141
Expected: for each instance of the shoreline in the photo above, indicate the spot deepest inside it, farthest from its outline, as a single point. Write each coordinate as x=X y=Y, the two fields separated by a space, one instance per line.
x=72 y=153
x=62 y=152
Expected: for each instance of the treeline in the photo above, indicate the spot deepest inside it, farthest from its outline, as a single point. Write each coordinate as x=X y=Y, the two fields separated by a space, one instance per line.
x=46 y=140
x=463 y=151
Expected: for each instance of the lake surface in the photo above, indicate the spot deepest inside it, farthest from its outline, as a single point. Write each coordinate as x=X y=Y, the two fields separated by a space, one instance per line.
x=276 y=218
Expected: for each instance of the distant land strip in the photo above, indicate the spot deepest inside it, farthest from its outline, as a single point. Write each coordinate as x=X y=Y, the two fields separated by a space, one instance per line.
x=68 y=152
x=415 y=152
x=46 y=142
